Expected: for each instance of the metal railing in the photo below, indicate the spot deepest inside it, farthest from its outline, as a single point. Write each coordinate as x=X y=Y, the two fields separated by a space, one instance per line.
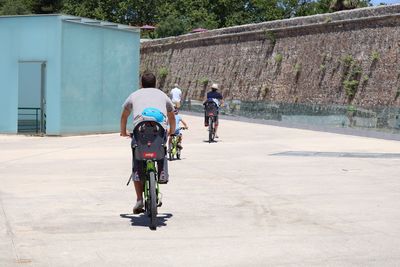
x=382 y=119
x=29 y=120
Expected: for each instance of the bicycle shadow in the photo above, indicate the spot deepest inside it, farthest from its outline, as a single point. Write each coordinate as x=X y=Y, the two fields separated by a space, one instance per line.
x=213 y=141
x=143 y=220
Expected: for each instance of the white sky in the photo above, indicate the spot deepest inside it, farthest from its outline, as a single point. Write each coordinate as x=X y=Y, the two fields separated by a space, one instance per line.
x=377 y=2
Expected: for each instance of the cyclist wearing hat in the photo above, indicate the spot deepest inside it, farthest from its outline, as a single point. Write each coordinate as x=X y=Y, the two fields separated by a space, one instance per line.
x=216 y=97
x=147 y=102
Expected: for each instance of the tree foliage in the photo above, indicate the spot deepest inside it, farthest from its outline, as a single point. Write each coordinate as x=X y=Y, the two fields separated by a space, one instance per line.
x=174 y=17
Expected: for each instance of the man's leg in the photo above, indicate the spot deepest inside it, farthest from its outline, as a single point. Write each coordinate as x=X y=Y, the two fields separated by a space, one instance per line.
x=137 y=181
x=180 y=141
x=162 y=165
x=163 y=175
x=216 y=126
x=136 y=170
x=139 y=190
x=169 y=143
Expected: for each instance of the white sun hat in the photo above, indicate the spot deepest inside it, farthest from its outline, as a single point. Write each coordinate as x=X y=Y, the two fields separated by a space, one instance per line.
x=215 y=86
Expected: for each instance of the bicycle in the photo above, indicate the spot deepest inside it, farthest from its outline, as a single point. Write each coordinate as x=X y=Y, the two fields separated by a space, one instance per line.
x=150 y=148
x=211 y=112
x=174 y=149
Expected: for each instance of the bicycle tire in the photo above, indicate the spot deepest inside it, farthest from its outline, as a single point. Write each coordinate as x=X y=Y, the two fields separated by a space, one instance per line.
x=153 y=200
x=178 y=154
x=213 y=128
x=210 y=129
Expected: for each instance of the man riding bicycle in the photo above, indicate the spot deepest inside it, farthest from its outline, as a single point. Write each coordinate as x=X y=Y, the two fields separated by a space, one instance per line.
x=146 y=97
x=213 y=98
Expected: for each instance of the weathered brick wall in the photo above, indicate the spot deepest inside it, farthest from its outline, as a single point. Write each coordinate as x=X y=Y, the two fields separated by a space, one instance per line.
x=349 y=57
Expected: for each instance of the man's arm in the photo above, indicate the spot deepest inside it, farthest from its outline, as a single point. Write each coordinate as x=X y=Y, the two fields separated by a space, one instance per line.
x=205 y=98
x=184 y=124
x=124 y=118
x=221 y=100
x=171 y=122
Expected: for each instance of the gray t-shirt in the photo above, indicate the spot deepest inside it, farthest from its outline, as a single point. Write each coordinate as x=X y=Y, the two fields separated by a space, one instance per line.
x=148 y=98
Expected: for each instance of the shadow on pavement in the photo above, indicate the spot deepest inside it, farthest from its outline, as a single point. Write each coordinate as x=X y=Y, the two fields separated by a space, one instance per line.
x=214 y=141
x=143 y=220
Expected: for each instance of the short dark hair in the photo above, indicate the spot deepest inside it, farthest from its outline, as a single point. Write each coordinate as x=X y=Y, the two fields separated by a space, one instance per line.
x=148 y=80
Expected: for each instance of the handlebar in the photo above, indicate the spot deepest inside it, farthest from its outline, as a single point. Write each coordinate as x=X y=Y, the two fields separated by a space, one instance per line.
x=180 y=128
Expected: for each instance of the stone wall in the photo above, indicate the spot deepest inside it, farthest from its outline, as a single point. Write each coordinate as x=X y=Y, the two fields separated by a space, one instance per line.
x=345 y=58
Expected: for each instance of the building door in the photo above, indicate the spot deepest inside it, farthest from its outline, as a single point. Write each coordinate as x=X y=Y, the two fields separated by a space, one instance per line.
x=32 y=97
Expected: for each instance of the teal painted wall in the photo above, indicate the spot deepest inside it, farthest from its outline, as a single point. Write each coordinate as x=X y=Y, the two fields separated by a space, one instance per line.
x=29 y=38
x=90 y=70
x=100 y=68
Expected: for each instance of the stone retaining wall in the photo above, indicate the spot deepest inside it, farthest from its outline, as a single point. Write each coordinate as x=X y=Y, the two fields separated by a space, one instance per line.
x=345 y=58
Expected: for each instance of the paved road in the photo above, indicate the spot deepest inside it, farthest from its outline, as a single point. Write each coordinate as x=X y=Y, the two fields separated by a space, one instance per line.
x=261 y=196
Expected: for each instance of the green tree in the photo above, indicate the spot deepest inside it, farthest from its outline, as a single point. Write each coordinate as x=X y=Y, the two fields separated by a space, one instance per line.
x=174 y=17
x=170 y=26
x=193 y=13
x=14 y=7
x=45 y=6
x=138 y=12
x=84 y=8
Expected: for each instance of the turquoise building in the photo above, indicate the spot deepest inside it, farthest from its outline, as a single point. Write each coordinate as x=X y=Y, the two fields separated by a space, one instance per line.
x=64 y=75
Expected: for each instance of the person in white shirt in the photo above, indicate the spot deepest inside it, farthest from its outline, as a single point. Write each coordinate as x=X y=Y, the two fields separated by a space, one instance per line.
x=176 y=96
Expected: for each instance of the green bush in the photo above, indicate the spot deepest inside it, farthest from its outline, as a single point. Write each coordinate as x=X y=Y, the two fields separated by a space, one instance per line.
x=350 y=87
x=351 y=108
x=203 y=81
x=163 y=72
x=297 y=68
x=278 y=58
x=270 y=36
x=347 y=60
x=375 y=56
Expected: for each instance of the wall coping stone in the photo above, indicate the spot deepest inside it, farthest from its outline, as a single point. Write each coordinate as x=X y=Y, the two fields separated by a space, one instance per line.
x=338 y=19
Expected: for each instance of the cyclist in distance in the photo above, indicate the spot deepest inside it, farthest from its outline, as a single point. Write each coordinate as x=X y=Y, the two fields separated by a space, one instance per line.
x=176 y=96
x=146 y=97
x=178 y=119
x=216 y=97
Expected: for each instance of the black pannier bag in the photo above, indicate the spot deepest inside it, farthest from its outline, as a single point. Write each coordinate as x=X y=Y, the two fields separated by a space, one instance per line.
x=211 y=108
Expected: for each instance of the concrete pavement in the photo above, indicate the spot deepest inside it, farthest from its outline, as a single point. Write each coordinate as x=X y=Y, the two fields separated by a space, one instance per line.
x=261 y=196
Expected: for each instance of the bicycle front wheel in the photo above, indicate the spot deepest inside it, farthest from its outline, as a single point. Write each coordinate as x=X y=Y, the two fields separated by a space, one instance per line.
x=153 y=200
x=170 y=156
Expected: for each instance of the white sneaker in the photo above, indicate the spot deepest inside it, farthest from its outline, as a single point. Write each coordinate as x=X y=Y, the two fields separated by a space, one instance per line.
x=138 y=208
x=163 y=179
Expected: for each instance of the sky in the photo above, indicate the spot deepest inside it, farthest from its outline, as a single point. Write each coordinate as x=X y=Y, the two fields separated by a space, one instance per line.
x=377 y=2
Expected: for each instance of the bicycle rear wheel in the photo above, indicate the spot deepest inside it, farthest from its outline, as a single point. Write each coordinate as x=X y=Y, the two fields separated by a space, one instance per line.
x=153 y=200
x=210 y=129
